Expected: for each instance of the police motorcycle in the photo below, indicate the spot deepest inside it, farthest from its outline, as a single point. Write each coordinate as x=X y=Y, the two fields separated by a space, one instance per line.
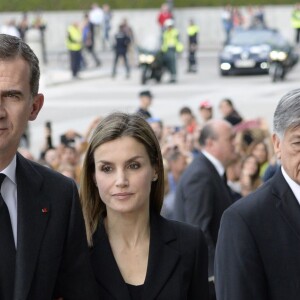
x=151 y=65
x=281 y=61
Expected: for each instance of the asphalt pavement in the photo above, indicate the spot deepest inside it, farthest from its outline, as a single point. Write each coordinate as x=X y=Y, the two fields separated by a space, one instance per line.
x=57 y=71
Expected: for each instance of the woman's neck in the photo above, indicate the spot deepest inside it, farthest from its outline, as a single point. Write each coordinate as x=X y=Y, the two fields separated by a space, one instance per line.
x=127 y=229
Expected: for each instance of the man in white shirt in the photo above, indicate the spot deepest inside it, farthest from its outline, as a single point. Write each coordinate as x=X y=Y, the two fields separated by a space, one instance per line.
x=96 y=18
x=10 y=28
x=257 y=254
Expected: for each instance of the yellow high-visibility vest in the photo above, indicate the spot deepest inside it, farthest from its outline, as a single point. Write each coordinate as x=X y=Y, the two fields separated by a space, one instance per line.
x=295 y=19
x=74 y=38
x=192 y=30
x=171 y=40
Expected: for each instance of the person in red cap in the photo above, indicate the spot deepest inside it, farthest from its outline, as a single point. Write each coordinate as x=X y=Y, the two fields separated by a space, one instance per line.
x=205 y=111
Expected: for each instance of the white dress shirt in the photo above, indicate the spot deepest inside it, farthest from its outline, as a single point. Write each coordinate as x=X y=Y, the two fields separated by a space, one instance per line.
x=9 y=194
x=96 y=16
x=295 y=187
x=217 y=164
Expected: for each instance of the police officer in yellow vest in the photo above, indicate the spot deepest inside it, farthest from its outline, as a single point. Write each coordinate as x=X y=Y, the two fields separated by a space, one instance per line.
x=192 y=32
x=170 y=46
x=295 y=21
x=74 y=45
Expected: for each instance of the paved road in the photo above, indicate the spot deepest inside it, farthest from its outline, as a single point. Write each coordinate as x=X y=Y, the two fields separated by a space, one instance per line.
x=73 y=104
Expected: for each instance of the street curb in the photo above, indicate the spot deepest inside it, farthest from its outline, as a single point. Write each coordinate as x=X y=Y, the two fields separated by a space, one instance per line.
x=61 y=77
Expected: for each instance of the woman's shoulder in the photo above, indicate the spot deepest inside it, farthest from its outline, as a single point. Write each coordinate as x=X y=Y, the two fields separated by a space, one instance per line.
x=184 y=232
x=184 y=228
x=186 y=239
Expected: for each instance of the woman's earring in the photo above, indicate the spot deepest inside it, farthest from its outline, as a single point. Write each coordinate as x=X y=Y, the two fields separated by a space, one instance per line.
x=154 y=178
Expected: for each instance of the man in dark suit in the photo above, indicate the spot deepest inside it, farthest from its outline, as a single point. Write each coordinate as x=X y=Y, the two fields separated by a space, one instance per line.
x=43 y=253
x=202 y=195
x=257 y=255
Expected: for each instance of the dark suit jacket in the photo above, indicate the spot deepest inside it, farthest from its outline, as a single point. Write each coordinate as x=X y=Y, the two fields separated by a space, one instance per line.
x=201 y=198
x=177 y=265
x=258 y=250
x=52 y=255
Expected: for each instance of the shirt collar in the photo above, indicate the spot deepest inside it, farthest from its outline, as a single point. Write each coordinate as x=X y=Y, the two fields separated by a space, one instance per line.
x=295 y=187
x=10 y=170
x=217 y=164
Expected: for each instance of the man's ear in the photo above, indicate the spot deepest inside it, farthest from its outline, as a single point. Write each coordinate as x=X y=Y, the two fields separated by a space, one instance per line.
x=36 y=106
x=209 y=142
x=276 y=144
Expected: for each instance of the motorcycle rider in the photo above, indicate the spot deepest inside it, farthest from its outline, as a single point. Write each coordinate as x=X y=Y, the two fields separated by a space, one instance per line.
x=170 y=46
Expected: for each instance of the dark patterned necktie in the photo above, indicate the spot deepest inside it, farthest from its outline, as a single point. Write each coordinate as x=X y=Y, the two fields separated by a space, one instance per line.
x=7 y=251
x=224 y=178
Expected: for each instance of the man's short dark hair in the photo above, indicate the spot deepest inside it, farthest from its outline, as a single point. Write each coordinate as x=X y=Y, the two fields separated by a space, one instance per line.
x=185 y=110
x=12 y=47
x=207 y=132
x=146 y=93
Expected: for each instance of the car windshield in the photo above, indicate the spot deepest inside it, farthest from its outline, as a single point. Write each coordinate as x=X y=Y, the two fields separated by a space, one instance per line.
x=257 y=37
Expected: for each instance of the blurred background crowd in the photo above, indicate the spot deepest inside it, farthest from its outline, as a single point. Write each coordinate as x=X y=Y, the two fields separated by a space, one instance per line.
x=254 y=163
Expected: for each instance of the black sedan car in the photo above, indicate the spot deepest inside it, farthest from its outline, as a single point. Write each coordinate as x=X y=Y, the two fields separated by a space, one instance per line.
x=248 y=51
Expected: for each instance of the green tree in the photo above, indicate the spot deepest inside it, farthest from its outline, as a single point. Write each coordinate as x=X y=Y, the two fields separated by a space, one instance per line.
x=57 y=5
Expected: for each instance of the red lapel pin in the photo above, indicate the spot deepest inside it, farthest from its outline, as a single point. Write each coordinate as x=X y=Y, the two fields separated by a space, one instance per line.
x=44 y=210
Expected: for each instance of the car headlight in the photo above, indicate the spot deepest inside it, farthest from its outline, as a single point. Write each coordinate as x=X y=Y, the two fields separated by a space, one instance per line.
x=150 y=59
x=225 y=66
x=146 y=58
x=278 y=55
x=142 y=58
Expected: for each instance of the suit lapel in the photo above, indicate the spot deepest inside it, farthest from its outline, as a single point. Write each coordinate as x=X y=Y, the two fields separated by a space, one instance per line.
x=33 y=215
x=105 y=267
x=162 y=257
x=220 y=183
x=287 y=205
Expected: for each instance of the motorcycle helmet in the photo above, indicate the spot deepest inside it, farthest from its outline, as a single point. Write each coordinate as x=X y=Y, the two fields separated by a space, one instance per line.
x=169 y=23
